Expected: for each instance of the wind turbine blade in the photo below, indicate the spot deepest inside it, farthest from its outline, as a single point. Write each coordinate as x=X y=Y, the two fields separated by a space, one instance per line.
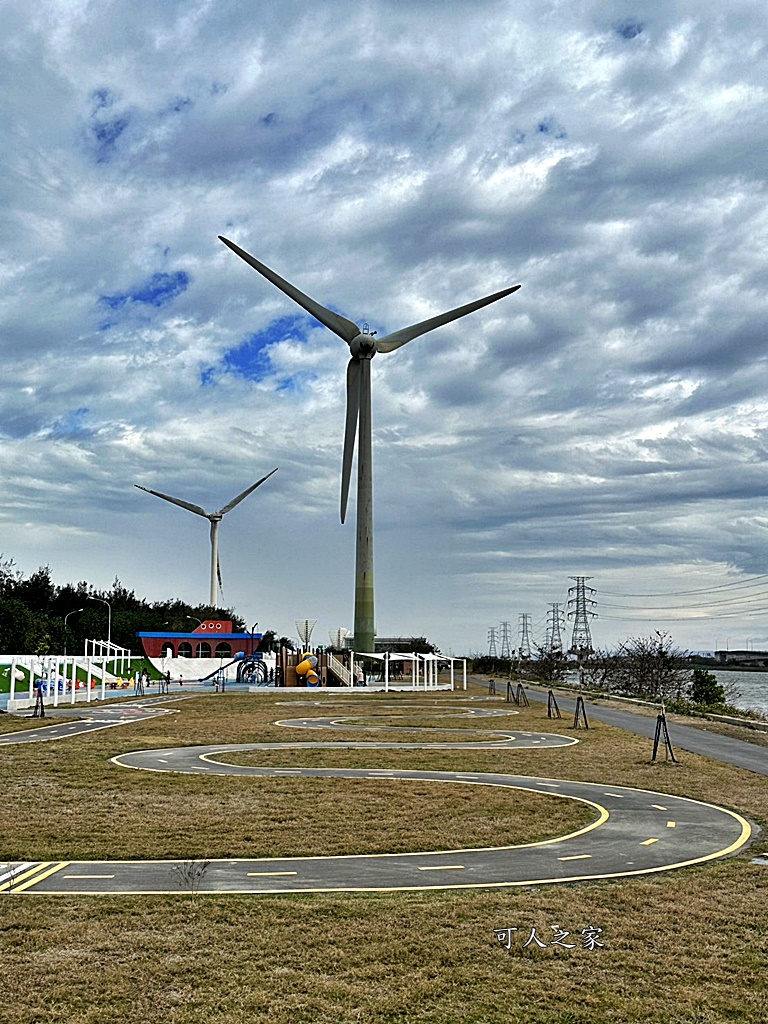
x=336 y=323
x=218 y=576
x=176 y=501
x=350 y=430
x=392 y=341
x=239 y=498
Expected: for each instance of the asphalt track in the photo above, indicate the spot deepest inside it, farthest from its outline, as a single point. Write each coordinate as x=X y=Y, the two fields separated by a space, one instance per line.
x=634 y=832
x=104 y=716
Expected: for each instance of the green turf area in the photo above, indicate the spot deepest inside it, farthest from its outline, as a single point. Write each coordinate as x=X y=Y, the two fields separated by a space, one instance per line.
x=687 y=947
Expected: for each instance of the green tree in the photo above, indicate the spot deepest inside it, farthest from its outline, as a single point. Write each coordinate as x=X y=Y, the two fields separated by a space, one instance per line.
x=705 y=689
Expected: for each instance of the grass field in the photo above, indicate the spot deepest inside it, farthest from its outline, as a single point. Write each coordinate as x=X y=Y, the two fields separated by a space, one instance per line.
x=686 y=947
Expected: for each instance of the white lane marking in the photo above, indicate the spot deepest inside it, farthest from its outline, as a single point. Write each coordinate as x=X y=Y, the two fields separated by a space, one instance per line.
x=658 y=807
x=269 y=874
x=577 y=856
x=444 y=867
x=554 y=785
x=87 y=876
x=163 y=759
x=619 y=796
x=15 y=872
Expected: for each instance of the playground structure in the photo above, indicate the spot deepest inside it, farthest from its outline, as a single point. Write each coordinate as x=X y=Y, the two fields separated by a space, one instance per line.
x=387 y=671
x=66 y=679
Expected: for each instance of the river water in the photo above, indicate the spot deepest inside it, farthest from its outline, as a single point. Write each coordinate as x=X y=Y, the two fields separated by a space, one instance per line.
x=750 y=689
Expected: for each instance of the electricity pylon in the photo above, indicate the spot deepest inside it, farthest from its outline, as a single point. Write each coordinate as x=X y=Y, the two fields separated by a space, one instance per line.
x=555 y=623
x=492 y=642
x=505 y=640
x=580 y=610
x=525 y=637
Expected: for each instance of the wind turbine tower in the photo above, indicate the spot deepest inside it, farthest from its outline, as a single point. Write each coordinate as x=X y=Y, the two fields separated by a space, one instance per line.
x=362 y=348
x=214 y=518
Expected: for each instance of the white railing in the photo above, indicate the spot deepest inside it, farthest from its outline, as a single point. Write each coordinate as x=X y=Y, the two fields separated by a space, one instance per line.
x=106 y=651
x=339 y=669
x=64 y=679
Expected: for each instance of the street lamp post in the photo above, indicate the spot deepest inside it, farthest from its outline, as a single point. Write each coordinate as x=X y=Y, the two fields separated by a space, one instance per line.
x=73 y=612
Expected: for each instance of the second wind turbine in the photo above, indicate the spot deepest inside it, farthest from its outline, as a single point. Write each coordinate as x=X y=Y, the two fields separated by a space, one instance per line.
x=362 y=349
x=214 y=518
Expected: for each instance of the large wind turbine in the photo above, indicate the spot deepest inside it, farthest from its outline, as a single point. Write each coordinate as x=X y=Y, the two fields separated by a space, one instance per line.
x=362 y=347
x=214 y=519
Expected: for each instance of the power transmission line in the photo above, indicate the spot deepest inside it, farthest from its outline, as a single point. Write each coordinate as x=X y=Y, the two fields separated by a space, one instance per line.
x=685 y=593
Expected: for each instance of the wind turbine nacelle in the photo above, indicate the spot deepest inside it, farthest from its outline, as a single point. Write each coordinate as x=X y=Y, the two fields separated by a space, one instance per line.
x=363 y=346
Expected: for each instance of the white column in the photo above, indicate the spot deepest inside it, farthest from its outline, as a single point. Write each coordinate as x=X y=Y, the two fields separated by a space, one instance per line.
x=465 y=672
x=452 y=686
x=12 y=691
x=56 y=682
x=386 y=672
x=88 y=688
x=73 y=687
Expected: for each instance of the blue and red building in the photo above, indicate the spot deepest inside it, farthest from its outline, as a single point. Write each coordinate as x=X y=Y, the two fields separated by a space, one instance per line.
x=212 y=639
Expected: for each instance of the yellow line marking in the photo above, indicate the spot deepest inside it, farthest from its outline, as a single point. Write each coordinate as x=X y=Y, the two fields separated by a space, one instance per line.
x=268 y=874
x=40 y=876
x=658 y=807
x=444 y=867
x=671 y=824
x=648 y=842
x=578 y=856
x=26 y=874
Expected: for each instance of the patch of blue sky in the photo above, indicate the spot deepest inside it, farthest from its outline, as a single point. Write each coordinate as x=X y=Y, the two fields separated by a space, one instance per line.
x=549 y=126
x=181 y=103
x=251 y=358
x=629 y=28
x=157 y=291
x=102 y=98
x=105 y=135
x=71 y=424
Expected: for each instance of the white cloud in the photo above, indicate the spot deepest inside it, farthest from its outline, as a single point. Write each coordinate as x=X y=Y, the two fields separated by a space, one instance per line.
x=393 y=160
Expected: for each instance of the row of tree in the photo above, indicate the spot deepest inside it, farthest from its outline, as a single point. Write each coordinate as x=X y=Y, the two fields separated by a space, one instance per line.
x=39 y=617
x=651 y=668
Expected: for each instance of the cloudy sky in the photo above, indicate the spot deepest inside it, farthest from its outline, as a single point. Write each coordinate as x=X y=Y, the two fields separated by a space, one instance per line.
x=393 y=159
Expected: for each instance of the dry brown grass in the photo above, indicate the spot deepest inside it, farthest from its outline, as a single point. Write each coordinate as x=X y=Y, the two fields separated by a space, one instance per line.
x=689 y=947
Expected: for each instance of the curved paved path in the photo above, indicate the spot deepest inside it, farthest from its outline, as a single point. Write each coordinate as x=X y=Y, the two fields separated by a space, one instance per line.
x=91 y=718
x=634 y=832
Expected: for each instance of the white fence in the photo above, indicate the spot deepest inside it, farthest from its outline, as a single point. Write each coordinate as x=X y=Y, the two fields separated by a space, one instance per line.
x=64 y=680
